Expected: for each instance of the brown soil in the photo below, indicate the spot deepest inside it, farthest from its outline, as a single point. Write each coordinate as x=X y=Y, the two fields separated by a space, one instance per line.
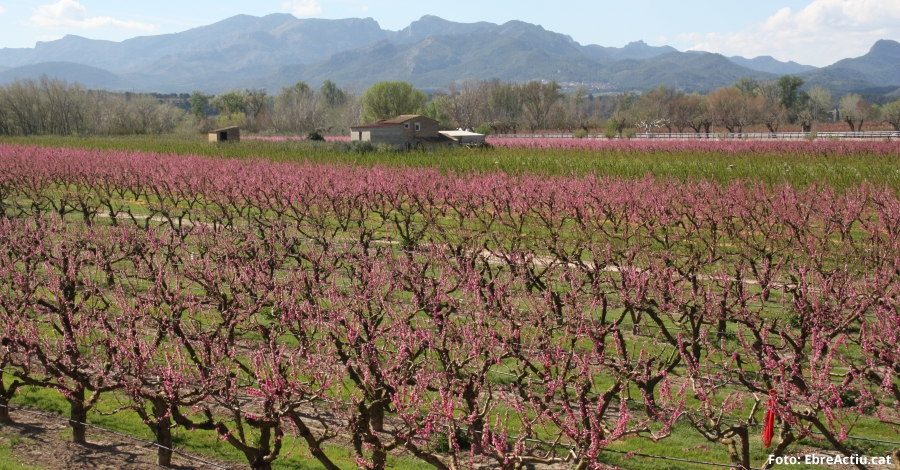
x=45 y=443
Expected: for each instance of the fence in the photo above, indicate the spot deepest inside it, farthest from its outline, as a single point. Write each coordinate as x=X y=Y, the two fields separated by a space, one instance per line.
x=877 y=135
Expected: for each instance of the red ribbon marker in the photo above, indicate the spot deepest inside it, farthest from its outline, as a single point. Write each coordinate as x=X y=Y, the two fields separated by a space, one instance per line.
x=769 y=428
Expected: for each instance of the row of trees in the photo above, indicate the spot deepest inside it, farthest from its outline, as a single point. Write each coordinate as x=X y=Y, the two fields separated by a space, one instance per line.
x=494 y=106
x=509 y=107
x=49 y=106
x=521 y=319
x=295 y=109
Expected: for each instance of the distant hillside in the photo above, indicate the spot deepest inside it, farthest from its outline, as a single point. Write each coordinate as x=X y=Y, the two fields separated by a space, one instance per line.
x=91 y=77
x=880 y=67
x=240 y=40
x=271 y=51
x=771 y=65
x=215 y=57
x=691 y=72
x=518 y=55
x=514 y=52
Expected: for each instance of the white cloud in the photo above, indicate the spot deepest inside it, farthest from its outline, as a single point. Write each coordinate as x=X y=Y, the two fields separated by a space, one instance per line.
x=303 y=7
x=2 y=10
x=822 y=33
x=71 y=14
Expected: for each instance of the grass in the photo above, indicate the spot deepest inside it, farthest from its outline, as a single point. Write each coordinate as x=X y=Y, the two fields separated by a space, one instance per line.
x=197 y=443
x=682 y=444
x=7 y=460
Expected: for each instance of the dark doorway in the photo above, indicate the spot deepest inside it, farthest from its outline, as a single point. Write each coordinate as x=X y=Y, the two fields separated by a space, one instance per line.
x=223 y=136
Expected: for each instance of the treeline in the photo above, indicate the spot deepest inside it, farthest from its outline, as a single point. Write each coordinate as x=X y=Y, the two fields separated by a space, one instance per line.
x=509 y=108
x=50 y=106
x=295 y=109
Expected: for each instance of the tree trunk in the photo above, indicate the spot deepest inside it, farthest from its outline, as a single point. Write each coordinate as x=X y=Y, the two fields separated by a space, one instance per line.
x=745 y=449
x=262 y=465
x=4 y=411
x=258 y=456
x=739 y=457
x=163 y=433
x=77 y=416
x=376 y=416
x=379 y=459
x=476 y=431
x=721 y=328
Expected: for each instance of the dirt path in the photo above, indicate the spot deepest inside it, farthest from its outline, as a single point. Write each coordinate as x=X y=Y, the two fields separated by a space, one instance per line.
x=45 y=443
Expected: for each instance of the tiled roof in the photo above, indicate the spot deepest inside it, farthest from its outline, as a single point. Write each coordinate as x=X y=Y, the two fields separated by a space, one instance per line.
x=401 y=118
x=396 y=121
x=376 y=125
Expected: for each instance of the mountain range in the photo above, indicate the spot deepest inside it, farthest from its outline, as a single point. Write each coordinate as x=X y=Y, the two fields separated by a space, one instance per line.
x=279 y=49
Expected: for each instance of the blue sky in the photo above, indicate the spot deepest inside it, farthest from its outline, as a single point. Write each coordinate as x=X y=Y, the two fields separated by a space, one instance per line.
x=816 y=32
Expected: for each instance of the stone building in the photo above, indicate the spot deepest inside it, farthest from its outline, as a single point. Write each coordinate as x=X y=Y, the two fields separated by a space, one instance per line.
x=407 y=131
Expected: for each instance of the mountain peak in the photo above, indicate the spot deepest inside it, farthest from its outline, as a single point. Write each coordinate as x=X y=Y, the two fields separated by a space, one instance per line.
x=430 y=25
x=885 y=47
x=767 y=63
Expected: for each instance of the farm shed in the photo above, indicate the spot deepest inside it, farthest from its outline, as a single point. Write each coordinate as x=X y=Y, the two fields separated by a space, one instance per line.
x=225 y=134
x=461 y=137
x=407 y=131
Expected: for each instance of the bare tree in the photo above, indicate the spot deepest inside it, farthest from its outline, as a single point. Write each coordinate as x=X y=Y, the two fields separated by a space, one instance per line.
x=24 y=106
x=652 y=109
x=856 y=111
x=819 y=100
x=296 y=109
x=505 y=108
x=890 y=113
x=467 y=102
x=538 y=99
x=624 y=111
x=730 y=108
x=687 y=111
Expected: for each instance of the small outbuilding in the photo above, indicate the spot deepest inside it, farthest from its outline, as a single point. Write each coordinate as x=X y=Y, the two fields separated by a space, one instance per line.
x=226 y=134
